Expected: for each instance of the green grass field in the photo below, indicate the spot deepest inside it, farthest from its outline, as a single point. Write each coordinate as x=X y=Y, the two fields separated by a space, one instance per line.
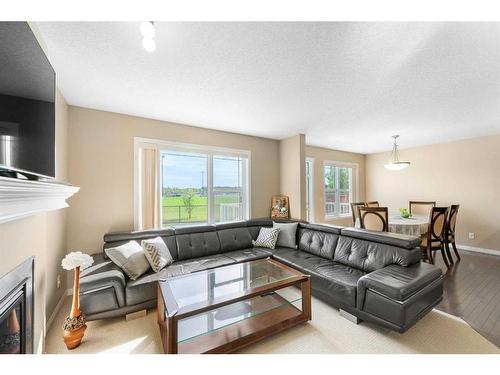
x=174 y=210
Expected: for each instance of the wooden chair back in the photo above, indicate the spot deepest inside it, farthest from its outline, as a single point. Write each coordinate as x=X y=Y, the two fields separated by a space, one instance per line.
x=374 y=218
x=372 y=204
x=437 y=224
x=355 y=211
x=451 y=221
x=421 y=207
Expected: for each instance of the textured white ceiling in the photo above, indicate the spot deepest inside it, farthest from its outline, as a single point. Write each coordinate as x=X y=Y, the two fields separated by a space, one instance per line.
x=347 y=86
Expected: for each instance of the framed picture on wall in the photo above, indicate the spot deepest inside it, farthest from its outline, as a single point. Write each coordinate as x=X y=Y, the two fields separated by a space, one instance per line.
x=279 y=207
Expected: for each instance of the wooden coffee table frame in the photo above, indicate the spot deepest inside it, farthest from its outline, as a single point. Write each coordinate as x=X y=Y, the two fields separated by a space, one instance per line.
x=236 y=335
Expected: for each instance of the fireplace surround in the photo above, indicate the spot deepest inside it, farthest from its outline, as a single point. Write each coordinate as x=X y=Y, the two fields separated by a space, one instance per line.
x=16 y=309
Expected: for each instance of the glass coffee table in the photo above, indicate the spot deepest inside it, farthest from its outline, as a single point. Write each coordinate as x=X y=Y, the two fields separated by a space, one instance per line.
x=227 y=308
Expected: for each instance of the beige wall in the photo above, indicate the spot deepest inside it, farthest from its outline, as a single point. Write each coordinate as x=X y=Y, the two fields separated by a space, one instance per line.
x=464 y=172
x=320 y=155
x=292 y=174
x=101 y=160
x=42 y=236
x=56 y=230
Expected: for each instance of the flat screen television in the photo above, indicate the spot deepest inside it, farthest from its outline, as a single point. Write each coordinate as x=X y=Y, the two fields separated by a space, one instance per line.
x=27 y=104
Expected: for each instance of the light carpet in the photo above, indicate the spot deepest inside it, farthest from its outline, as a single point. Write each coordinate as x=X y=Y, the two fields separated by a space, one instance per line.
x=327 y=332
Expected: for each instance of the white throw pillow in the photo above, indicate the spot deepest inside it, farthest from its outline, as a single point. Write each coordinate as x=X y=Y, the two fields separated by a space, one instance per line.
x=130 y=258
x=267 y=238
x=288 y=234
x=157 y=253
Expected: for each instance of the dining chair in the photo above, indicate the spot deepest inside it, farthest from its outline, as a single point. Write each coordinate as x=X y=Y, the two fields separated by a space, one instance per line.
x=372 y=204
x=421 y=207
x=434 y=239
x=449 y=237
x=374 y=218
x=355 y=211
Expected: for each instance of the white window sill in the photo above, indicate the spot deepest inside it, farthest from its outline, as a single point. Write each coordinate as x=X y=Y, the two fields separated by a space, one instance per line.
x=338 y=217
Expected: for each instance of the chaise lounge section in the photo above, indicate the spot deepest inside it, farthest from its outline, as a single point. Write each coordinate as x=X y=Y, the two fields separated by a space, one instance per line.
x=373 y=276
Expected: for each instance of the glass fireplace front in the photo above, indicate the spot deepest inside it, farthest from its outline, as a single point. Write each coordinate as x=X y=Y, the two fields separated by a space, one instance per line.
x=11 y=327
x=16 y=309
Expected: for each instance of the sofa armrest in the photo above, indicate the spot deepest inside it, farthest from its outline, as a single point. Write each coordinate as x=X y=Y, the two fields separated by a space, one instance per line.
x=396 y=282
x=96 y=282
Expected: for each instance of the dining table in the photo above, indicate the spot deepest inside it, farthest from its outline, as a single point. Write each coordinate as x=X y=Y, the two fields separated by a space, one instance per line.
x=415 y=225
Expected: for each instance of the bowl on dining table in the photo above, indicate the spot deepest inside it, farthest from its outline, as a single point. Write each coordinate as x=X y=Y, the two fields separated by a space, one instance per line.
x=405 y=214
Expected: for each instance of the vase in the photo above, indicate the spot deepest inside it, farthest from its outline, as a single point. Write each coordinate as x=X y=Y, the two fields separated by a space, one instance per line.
x=74 y=325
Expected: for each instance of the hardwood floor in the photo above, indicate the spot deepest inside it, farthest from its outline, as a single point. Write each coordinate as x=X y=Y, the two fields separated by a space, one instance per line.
x=472 y=292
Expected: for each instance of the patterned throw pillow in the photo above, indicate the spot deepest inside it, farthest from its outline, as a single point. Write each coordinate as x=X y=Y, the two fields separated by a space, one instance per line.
x=157 y=253
x=267 y=238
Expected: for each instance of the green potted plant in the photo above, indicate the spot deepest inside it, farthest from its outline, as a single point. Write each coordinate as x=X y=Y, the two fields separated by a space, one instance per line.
x=404 y=213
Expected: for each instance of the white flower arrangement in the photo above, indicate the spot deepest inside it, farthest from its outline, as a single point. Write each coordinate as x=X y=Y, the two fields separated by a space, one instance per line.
x=77 y=259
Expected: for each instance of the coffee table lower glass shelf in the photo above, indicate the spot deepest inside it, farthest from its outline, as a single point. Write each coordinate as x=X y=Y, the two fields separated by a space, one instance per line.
x=240 y=314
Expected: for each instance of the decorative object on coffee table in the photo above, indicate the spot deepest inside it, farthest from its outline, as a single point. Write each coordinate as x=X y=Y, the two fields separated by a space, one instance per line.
x=279 y=207
x=74 y=325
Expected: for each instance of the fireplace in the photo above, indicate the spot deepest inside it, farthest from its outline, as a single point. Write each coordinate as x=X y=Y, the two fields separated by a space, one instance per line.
x=16 y=309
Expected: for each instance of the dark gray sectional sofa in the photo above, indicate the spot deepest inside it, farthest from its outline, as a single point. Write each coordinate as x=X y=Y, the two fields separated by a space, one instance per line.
x=373 y=276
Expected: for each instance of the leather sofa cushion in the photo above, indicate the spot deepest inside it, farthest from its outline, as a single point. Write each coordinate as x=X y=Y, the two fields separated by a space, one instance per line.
x=327 y=228
x=120 y=238
x=101 y=264
x=101 y=285
x=387 y=238
x=299 y=259
x=248 y=254
x=194 y=229
x=337 y=281
x=196 y=245
x=254 y=226
x=232 y=224
x=137 y=235
x=144 y=288
x=234 y=239
x=399 y=283
x=318 y=243
x=370 y=256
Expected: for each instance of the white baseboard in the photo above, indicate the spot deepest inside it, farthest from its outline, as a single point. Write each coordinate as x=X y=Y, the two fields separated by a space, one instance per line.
x=479 y=250
x=56 y=310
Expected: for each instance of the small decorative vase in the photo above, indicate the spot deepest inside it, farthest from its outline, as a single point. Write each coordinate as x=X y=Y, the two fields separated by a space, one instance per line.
x=74 y=325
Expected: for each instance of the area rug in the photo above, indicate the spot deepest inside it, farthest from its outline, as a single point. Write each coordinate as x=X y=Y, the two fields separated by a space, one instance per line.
x=327 y=332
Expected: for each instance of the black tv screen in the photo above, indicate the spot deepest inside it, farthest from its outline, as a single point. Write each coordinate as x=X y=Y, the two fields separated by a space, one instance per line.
x=27 y=103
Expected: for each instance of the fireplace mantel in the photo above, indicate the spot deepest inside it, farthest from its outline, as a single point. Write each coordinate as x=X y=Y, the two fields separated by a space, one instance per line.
x=21 y=198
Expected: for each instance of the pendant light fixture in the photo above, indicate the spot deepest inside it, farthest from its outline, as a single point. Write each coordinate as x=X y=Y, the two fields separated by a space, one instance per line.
x=148 y=33
x=395 y=164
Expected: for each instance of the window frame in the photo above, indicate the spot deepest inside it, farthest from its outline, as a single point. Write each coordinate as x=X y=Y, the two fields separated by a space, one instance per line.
x=353 y=187
x=310 y=190
x=211 y=151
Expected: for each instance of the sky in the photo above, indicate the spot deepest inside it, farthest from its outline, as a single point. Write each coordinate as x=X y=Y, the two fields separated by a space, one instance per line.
x=183 y=171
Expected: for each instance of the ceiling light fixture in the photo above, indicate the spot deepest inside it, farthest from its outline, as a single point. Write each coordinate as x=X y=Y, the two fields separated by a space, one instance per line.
x=148 y=32
x=148 y=29
x=395 y=164
x=149 y=44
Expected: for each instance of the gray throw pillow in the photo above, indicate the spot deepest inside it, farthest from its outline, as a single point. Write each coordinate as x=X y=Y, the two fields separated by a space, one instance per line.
x=288 y=234
x=267 y=238
x=130 y=258
x=157 y=253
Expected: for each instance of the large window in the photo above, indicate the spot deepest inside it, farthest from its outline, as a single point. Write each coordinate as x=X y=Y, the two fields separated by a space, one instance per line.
x=339 y=188
x=203 y=186
x=184 y=195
